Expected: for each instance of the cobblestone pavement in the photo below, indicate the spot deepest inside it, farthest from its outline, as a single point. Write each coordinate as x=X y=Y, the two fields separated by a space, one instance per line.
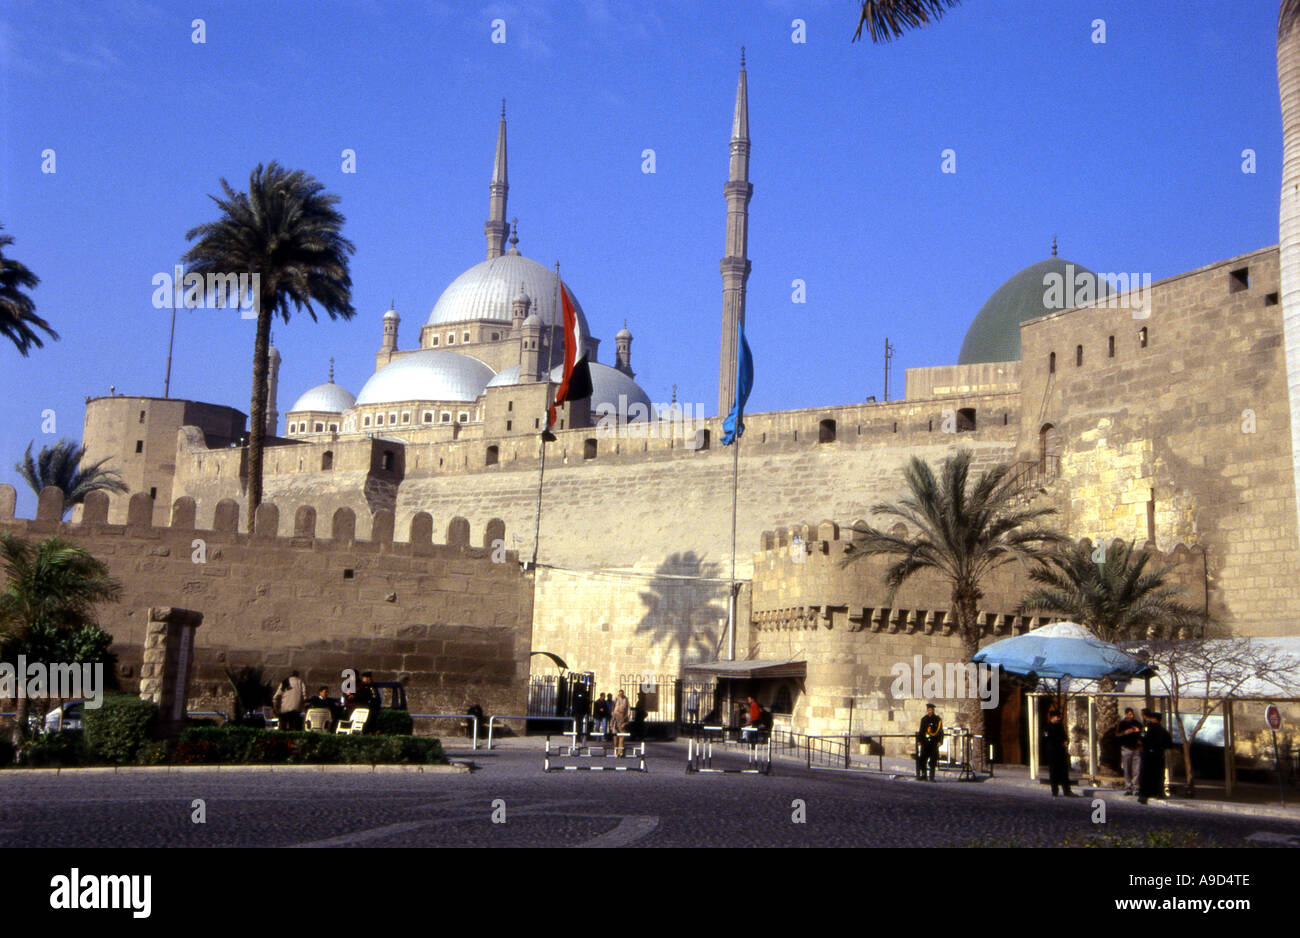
x=663 y=807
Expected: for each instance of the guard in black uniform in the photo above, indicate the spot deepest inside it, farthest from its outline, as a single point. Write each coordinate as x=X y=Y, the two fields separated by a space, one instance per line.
x=1151 y=772
x=928 y=738
x=1058 y=754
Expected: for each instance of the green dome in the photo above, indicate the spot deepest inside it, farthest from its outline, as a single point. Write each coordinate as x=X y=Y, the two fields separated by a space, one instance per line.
x=994 y=336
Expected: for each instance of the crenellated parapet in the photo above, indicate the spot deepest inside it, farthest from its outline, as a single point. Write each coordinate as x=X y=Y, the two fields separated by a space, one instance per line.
x=298 y=527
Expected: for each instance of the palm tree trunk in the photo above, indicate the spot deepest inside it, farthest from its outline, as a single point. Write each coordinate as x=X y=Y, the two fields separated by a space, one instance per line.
x=257 y=409
x=20 y=726
x=1107 y=721
x=1288 y=86
x=965 y=603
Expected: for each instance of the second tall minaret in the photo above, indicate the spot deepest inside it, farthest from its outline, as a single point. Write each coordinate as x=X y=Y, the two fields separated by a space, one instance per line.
x=735 y=264
x=496 y=228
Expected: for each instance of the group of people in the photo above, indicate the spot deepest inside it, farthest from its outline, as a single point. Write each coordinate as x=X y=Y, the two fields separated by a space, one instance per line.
x=1142 y=754
x=290 y=702
x=612 y=714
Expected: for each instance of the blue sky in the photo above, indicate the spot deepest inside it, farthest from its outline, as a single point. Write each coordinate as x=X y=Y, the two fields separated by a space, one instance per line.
x=1128 y=151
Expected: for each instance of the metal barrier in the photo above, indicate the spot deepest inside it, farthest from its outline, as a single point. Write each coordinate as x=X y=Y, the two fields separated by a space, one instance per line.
x=456 y=716
x=835 y=752
x=576 y=750
x=758 y=749
x=503 y=717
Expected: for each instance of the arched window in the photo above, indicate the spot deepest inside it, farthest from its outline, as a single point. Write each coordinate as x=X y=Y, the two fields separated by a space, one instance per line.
x=966 y=420
x=327 y=460
x=1051 y=364
x=589 y=449
x=493 y=455
x=1049 y=451
x=783 y=703
x=826 y=431
x=1078 y=356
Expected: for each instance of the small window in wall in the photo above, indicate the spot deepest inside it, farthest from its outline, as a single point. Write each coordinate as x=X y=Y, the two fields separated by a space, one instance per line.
x=153 y=492
x=508 y=426
x=537 y=423
x=702 y=438
x=465 y=337
x=1270 y=299
x=365 y=421
x=451 y=338
x=895 y=426
x=1051 y=364
x=510 y=405
x=1078 y=356
x=496 y=336
x=446 y=416
x=292 y=427
x=1110 y=347
x=966 y=420
x=493 y=455
x=320 y=428
x=392 y=418
x=379 y=420
x=1142 y=337
x=406 y=416
x=428 y=416
x=589 y=449
x=142 y=416
x=139 y=446
x=930 y=425
x=433 y=342
x=463 y=417
x=826 y=431
x=1239 y=280
x=327 y=460
x=334 y=428
x=388 y=460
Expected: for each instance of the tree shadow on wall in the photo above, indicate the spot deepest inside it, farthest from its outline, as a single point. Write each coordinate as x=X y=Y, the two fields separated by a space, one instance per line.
x=683 y=611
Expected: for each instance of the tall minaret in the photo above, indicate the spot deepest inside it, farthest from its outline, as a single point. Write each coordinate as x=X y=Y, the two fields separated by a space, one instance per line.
x=735 y=265
x=496 y=228
x=388 y=345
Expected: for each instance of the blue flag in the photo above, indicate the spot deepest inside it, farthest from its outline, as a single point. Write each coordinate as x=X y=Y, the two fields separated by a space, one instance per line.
x=733 y=428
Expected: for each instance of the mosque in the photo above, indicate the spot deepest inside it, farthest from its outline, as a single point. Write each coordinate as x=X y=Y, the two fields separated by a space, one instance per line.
x=1116 y=411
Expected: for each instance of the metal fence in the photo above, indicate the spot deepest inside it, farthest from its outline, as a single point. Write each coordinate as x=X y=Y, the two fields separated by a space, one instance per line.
x=670 y=699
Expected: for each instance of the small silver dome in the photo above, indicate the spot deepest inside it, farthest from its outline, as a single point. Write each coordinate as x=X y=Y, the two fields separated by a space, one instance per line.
x=328 y=397
x=607 y=385
x=427 y=375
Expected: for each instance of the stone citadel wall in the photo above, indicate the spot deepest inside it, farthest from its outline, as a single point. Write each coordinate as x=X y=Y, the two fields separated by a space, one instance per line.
x=444 y=618
x=1180 y=431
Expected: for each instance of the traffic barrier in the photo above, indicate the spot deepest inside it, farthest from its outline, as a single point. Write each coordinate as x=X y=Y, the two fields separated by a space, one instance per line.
x=575 y=749
x=757 y=746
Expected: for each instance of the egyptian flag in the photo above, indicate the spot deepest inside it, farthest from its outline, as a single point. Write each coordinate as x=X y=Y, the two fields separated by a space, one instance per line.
x=575 y=382
x=734 y=426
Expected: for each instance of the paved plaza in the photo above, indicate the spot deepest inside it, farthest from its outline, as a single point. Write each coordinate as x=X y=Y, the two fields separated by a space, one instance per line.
x=664 y=807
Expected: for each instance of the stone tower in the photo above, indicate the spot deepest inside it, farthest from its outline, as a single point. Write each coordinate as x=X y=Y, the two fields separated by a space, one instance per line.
x=388 y=346
x=272 y=389
x=735 y=264
x=623 y=351
x=495 y=230
x=530 y=358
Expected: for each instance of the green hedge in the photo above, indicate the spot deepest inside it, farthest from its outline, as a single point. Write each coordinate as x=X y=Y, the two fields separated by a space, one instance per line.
x=389 y=722
x=55 y=750
x=244 y=745
x=118 y=729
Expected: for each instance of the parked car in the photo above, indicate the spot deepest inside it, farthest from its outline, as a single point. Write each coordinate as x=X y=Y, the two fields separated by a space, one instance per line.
x=66 y=716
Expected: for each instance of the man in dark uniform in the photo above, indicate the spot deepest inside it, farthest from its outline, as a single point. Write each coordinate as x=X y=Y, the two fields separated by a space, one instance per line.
x=928 y=738
x=1058 y=754
x=1151 y=773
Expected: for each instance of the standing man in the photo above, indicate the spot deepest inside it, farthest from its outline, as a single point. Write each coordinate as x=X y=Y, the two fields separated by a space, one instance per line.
x=928 y=738
x=1151 y=773
x=693 y=706
x=1058 y=754
x=292 y=694
x=620 y=715
x=1129 y=732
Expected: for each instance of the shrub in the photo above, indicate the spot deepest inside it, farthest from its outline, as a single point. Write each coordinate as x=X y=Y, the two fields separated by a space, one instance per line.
x=240 y=745
x=151 y=752
x=64 y=748
x=117 y=729
x=390 y=722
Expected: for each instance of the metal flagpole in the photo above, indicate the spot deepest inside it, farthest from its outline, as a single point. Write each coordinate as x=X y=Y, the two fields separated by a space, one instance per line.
x=731 y=606
x=550 y=357
x=177 y=294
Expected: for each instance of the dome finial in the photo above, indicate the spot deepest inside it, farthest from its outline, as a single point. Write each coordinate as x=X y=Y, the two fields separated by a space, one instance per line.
x=1053 y=245
x=331 y=371
x=503 y=108
x=742 y=56
x=514 y=235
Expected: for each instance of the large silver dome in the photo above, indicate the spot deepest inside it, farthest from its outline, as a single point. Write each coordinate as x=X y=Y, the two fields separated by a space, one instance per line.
x=328 y=397
x=427 y=375
x=487 y=290
x=607 y=385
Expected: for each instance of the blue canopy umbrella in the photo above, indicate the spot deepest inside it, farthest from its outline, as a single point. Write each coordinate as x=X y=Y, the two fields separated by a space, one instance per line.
x=1062 y=650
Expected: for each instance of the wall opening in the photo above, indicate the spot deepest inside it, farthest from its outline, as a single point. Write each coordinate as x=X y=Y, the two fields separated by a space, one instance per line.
x=388 y=460
x=588 y=449
x=1110 y=347
x=327 y=460
x=1049 y=450
x=1239 y=280
x=493 y=455
x=966 y=420
x=826 y=431
x=1051 y=364
x=1078 y=356
x=1142 y=337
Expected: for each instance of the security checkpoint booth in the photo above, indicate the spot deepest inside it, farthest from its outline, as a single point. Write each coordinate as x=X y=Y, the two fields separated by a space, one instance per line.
x=769 y=681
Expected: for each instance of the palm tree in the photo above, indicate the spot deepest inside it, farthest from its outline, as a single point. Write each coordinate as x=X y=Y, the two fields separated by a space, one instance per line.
x=60 y=466
x=49 y=584
x=286 y=231
x=889 y=19
x=18 y=319
x=963 y=532
x=1118 y=600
